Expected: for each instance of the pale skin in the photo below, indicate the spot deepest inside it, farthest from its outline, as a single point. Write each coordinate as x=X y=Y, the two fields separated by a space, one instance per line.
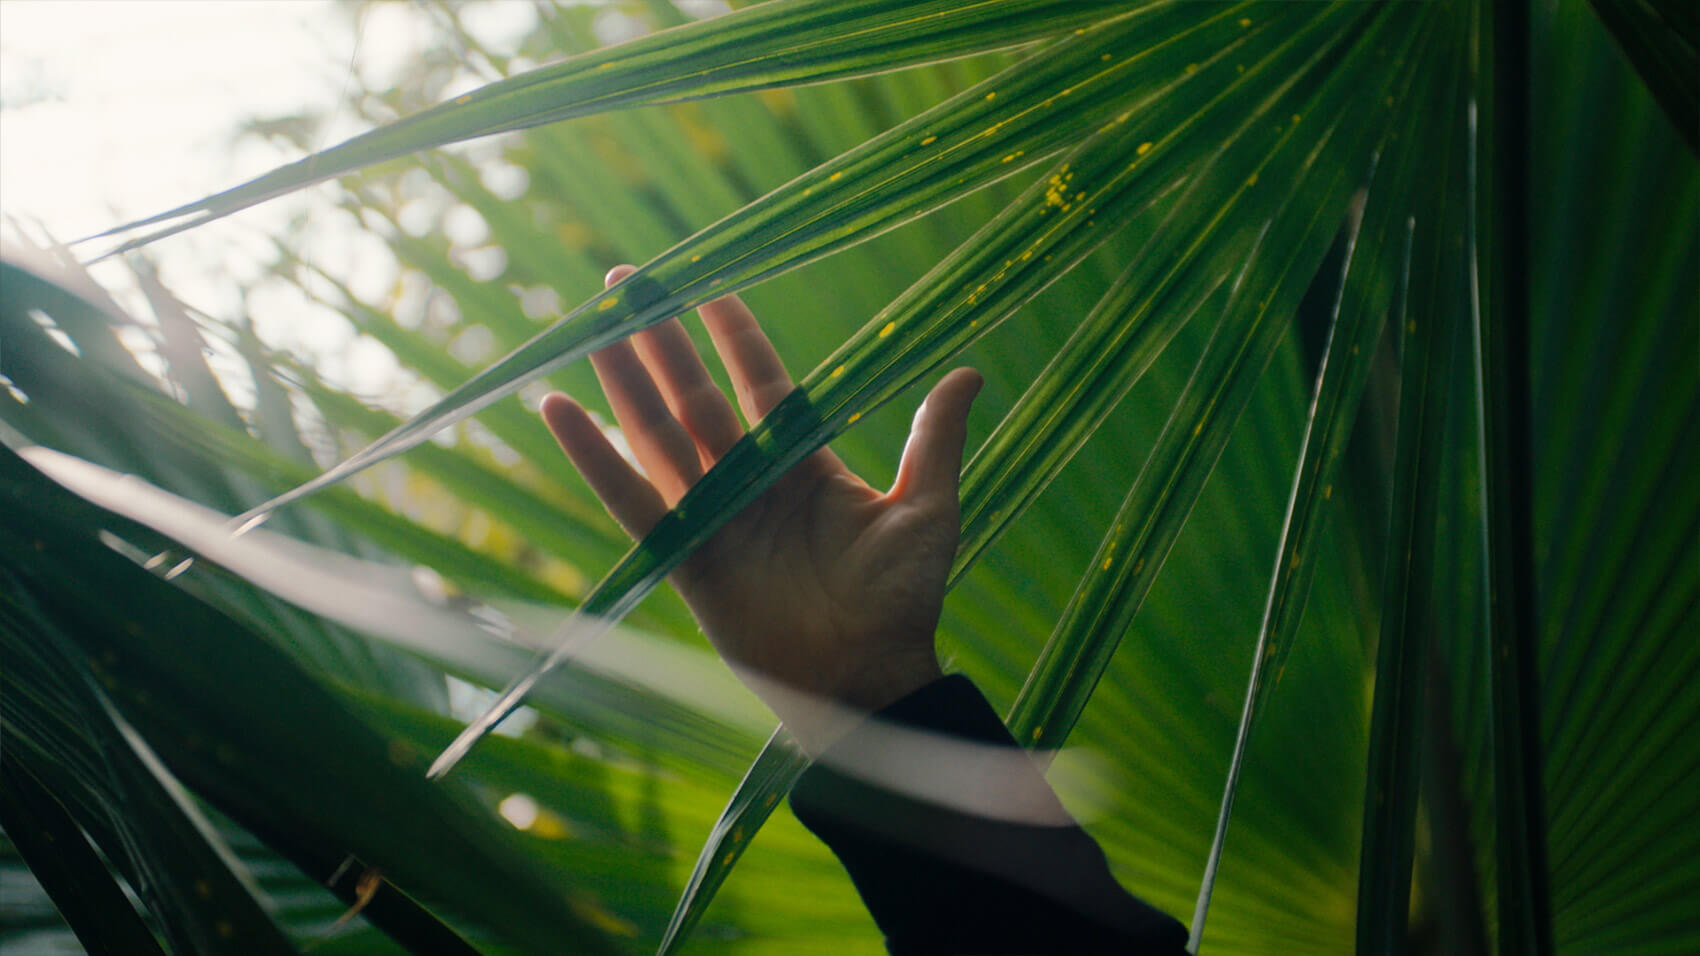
x=823 y=585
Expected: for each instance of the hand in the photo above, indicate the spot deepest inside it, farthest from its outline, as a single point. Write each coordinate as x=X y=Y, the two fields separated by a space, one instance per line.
x=822 y=585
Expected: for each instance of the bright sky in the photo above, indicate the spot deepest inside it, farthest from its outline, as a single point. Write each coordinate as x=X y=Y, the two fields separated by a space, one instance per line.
x=115 y=109
x=111 y=110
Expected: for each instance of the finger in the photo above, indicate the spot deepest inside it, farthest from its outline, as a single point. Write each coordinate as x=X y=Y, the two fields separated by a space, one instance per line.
x=627 y=495
x=932 y=458
x=666 y=451
x=696 y=401
x=758 y=376
x=659 y=441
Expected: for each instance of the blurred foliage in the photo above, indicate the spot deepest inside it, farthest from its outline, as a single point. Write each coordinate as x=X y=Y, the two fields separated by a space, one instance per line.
x=1270 y=185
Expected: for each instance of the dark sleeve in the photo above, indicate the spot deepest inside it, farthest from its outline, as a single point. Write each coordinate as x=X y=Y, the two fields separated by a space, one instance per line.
x=939 y=880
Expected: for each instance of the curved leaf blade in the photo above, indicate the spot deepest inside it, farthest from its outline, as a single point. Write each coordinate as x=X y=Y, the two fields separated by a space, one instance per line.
x=62 y=725
x=1372 y=287
x=768 y=780
x=1060 y=218
x=1431 y=327
x=924 y=163
x=1661 y=45
x=246 y=724
x=1198 y=427
x=760 y=47
x=1191 y=250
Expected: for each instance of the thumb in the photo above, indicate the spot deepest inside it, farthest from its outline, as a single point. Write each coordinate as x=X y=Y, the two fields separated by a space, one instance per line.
x=932 y=458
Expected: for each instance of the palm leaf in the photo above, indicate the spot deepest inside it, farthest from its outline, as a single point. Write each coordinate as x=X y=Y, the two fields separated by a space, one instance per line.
x=1661 y=41
x=769 y=778
x=246 y=765
x=1428 y=333
x=1611 y=281
x=710 y=58
x=59 y=855
x=961 y=145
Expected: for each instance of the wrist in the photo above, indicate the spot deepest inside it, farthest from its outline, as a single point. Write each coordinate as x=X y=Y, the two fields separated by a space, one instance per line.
x=888 y=679
x=819 y=715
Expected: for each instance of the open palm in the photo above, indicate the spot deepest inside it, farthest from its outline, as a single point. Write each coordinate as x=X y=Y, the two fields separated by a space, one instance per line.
x=823 y=585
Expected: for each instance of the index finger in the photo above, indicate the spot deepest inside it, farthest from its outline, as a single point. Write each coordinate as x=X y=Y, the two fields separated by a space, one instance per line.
x=758 y=375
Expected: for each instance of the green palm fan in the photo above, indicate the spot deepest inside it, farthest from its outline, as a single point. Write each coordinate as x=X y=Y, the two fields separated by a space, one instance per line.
x=1425 y=261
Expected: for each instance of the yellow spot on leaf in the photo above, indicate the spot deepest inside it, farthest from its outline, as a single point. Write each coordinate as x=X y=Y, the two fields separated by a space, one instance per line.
x=835 y=176
x=890 y=327
x=1327 y=492
x=853 y=418
x=991 y=95
x=1191 y=68
x=696 y=258
x=1196 y=429
x=1295 y=117
x=929 y=141
x=837 y=372
x=608 y=303
x=1105 y=58
x=1251 y=180
x=1143 y=149
x=1245 y=21
x=1056 y=189
x=1411 y=326
x=464 y=99
x=1108 y=560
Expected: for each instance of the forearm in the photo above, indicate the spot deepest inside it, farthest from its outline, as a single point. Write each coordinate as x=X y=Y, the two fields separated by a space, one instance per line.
x=938 y=879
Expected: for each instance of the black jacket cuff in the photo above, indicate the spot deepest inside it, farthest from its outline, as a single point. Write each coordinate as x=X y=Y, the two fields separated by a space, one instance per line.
x=939 y=880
